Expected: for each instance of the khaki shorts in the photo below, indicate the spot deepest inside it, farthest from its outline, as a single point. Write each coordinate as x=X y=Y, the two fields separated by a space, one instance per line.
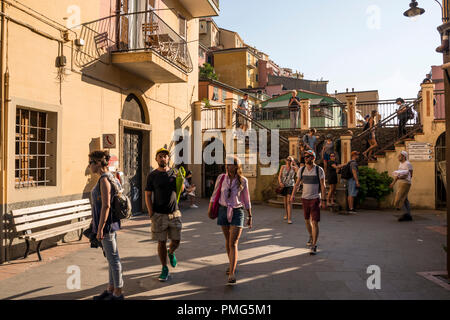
x=166 y=226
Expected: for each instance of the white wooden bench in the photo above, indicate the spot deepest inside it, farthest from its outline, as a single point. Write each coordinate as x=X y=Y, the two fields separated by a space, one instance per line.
x=39 y=223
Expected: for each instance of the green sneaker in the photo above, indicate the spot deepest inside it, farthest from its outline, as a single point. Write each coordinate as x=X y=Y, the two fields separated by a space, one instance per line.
x=164 y=276
x=172 y=259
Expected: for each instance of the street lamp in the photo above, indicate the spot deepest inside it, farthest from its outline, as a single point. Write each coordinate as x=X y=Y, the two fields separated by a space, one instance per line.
x=414 y=10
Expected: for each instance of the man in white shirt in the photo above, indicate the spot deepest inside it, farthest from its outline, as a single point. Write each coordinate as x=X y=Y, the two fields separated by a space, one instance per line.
x=243 y=108
x=404 y=176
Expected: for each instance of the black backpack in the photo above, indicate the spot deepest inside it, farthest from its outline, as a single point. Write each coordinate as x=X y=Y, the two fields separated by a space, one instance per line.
x=120 y=203
x=346 y=171
x=409 y=113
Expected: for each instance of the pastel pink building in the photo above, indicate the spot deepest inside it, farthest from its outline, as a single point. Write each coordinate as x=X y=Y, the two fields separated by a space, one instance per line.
x=437 y=76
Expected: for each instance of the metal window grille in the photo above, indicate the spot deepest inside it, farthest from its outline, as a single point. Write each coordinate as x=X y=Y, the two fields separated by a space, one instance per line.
x=31 y=155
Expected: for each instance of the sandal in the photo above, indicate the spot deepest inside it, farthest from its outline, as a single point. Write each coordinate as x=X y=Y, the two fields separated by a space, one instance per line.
x=289 y=221
x=231 y=280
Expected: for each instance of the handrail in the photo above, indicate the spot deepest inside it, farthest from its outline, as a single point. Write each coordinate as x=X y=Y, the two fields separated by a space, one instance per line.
x=420 y=127
x=384 y=121
x=258 y=124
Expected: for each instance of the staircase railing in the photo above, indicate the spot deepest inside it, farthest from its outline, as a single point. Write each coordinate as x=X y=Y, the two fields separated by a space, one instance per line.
x=414 y=126
x=258 y=124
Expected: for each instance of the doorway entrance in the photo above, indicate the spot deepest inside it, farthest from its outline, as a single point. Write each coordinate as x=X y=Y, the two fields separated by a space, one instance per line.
x=440 y=167
x=132 y=168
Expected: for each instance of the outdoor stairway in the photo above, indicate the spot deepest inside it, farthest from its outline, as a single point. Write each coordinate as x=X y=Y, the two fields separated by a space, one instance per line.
x=278 y=202
x=387 y=159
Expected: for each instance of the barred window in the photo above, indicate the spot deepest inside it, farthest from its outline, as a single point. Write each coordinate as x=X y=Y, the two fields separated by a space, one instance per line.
x=32 y=164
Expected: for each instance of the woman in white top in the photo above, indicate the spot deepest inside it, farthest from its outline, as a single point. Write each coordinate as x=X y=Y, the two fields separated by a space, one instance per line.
x=286 y=180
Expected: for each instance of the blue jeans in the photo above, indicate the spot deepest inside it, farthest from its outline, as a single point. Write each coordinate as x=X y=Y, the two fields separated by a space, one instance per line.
x=237 y=220
x=109 y=243
x=351 y=187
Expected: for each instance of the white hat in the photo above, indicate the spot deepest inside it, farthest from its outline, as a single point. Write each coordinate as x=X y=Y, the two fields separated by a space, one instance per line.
x=405 y=154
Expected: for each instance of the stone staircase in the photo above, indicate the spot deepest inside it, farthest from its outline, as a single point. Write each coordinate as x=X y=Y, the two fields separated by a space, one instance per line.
x=278 y=202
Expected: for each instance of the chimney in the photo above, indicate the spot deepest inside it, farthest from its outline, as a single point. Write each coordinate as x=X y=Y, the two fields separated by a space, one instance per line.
x=347 y=90
x=353 y=89
x=335 y=91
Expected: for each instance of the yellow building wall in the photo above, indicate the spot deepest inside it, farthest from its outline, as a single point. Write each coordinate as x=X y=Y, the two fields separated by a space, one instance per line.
x=86 y=108
x=423 y=189
x=231 y=68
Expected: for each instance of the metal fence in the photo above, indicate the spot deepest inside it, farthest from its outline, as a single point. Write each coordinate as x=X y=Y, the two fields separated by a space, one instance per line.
x=321 y=116
x=213 y=118
x=386 y=108
x=138 y=31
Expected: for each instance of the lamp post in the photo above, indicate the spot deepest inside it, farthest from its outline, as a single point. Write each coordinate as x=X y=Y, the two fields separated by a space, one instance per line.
x=444 y=30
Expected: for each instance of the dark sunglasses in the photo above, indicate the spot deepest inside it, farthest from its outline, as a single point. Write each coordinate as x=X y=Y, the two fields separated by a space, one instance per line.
x=308 y=156
x=332 y=156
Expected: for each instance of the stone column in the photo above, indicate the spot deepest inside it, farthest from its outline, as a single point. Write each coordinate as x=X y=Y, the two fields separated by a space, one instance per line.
x=305 y=114
x=346 y=148
x=351 y=111
x=197 y=143
x=230 y=106
x=294 y=147
x=426 y=108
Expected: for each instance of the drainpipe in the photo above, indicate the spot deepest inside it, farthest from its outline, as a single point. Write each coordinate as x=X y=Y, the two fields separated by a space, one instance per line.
x=2 y=135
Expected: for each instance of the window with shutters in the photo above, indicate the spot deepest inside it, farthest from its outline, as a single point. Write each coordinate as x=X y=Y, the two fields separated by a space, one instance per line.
x=183 y=26
x=34 y=148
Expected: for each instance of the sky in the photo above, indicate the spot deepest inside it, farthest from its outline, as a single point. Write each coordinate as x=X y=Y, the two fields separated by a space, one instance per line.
x=360 y=44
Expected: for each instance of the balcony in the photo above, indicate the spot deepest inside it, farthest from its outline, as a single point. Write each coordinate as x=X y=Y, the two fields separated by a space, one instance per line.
x=201 y=8
x=140 y=43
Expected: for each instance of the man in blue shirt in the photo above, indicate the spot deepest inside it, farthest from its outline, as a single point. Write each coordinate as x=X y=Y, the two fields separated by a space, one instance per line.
x=310 y=140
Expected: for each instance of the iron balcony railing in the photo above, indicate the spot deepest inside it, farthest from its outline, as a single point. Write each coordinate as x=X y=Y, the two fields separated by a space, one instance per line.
x=138 y=31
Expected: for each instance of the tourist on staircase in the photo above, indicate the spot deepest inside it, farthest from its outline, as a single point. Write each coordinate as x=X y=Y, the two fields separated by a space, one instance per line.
x=368 y=154
x=402 y=116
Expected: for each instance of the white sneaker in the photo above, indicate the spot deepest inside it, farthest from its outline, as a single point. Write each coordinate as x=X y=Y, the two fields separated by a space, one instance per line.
x=193 y=206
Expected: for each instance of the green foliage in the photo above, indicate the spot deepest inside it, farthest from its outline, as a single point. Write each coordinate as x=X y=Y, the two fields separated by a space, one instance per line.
x=207 y=103
x=207 y=72
x=373 y=184
x=281 y=163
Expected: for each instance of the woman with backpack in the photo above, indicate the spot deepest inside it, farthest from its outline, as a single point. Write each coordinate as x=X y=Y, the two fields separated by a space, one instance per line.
x=286 y=181
x=103 y=223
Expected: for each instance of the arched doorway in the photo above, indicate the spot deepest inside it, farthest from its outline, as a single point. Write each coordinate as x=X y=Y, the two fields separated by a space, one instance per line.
x=439 y=151
x=135 y=148
x=211 y=171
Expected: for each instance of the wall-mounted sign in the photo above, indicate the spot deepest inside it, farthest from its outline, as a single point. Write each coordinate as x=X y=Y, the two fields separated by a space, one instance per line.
x=109 y=141
x=420 y=151
x=420 y=157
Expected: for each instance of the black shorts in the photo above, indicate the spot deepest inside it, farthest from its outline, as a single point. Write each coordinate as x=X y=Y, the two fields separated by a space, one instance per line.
x=287 y=191
x=332 y=179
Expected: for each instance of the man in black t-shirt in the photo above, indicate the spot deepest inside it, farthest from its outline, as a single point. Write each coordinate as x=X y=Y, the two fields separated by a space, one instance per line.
x=163 y=210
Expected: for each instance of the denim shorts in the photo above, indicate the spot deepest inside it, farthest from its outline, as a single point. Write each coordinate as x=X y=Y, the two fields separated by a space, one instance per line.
x=237 y=220
x=351 y=187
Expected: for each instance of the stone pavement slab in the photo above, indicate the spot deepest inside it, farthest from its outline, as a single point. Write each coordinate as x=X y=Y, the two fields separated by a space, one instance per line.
x=274 y=262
